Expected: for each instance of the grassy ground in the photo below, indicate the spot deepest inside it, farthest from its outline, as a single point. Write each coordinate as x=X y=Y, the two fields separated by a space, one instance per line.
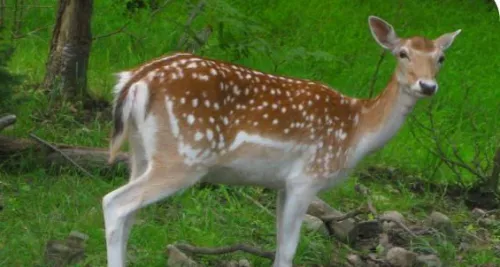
x=325 y=40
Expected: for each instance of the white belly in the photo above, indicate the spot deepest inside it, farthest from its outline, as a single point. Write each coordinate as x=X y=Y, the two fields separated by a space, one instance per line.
x=251 y=171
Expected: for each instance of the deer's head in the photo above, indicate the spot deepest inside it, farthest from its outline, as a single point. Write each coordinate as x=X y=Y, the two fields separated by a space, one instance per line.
x=419 y=59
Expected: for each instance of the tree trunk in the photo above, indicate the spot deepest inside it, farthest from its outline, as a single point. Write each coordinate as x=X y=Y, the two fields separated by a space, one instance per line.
x=66 y=68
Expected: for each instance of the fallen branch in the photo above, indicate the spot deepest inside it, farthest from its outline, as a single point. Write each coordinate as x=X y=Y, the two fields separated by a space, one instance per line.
x=62 y=154
x=400 y=224
x=90 y=158
x=340 y=230
x=349 y=215
x=228 y=249
x=7 y=120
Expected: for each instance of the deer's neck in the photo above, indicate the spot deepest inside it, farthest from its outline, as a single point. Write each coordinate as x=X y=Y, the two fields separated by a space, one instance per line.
x=382 y=116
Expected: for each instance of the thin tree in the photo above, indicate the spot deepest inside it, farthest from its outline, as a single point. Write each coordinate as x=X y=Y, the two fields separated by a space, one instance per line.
x=68 y=60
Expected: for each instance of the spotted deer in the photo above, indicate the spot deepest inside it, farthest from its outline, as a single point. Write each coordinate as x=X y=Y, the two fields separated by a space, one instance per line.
x=188 y=119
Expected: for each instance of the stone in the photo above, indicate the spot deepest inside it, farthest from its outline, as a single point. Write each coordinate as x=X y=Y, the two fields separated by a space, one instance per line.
x=478 y=213
x=177 y=258
x=315 y=224
x=442 y=223
x=355 y=261
x=231 y=263
x=384 y=243
x=400 y=257
x=66 y=252
x=486 y=222
x=244 y=263
x=340 y=230
x=388 y=219
x=430 y=260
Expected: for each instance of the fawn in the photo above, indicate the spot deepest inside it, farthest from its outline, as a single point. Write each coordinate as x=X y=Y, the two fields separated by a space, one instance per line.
x=189 y=118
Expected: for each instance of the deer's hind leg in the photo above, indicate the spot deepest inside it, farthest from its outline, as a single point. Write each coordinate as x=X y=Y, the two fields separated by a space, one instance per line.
x=138 y=165
x=160 y=180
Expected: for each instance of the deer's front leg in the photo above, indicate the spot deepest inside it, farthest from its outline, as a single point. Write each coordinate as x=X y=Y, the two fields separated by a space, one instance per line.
x=294 y=207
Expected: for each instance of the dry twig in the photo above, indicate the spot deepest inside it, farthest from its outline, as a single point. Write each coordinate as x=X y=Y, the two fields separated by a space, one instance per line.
x=187 y=26
x=120 y=30
x=20 y=36
x=351 y=214
x=40 y=140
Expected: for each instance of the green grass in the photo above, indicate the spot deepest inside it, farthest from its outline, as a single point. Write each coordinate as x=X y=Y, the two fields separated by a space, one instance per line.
x=39 y=207
x=324 y=40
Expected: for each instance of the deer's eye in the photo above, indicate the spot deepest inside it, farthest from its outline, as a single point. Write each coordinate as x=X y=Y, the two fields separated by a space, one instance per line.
x=441 y=59
x=403 y=54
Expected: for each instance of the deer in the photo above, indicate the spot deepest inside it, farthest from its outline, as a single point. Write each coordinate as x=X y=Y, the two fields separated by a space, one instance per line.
x=190 y=119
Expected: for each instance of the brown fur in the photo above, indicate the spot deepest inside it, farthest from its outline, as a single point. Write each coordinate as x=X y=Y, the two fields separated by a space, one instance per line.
x=422 y=44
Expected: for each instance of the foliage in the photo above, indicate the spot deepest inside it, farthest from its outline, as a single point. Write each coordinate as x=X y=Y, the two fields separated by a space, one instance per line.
x=316 y=39
x=7 y=79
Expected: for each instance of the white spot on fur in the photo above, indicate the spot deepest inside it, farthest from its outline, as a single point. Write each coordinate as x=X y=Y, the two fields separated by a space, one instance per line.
x=203 y=77
x=192 y=65
x=190 y=119
x=198 y=136
x=356 y=119
x=174 y=123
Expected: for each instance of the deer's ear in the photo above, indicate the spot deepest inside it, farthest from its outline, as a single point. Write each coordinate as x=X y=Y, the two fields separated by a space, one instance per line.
x=383 y=33
x=444 y=41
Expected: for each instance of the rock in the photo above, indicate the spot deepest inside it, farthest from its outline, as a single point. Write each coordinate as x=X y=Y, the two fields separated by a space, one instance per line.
x=76 y=239
x=355 y=261
x=315 y=224
x=231 y=263
x=442 y=223
x=486 y=222
x=177 y=258
x=340 y=230
x=365 y=235
x=399 y=237
x=234 y=263
x=388 y=219
x=400 y=257
x=496 y=250
x=429 y=260
x=384 y=243
x=464 y=247
x=66 y=252
x=478 y=213
x=484 y=235
x=244 y=263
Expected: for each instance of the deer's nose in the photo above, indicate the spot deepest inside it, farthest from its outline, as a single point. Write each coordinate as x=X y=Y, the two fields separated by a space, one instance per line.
x=428 y=87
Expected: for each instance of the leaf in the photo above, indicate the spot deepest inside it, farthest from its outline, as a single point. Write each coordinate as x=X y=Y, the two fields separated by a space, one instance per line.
x=25 y=188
